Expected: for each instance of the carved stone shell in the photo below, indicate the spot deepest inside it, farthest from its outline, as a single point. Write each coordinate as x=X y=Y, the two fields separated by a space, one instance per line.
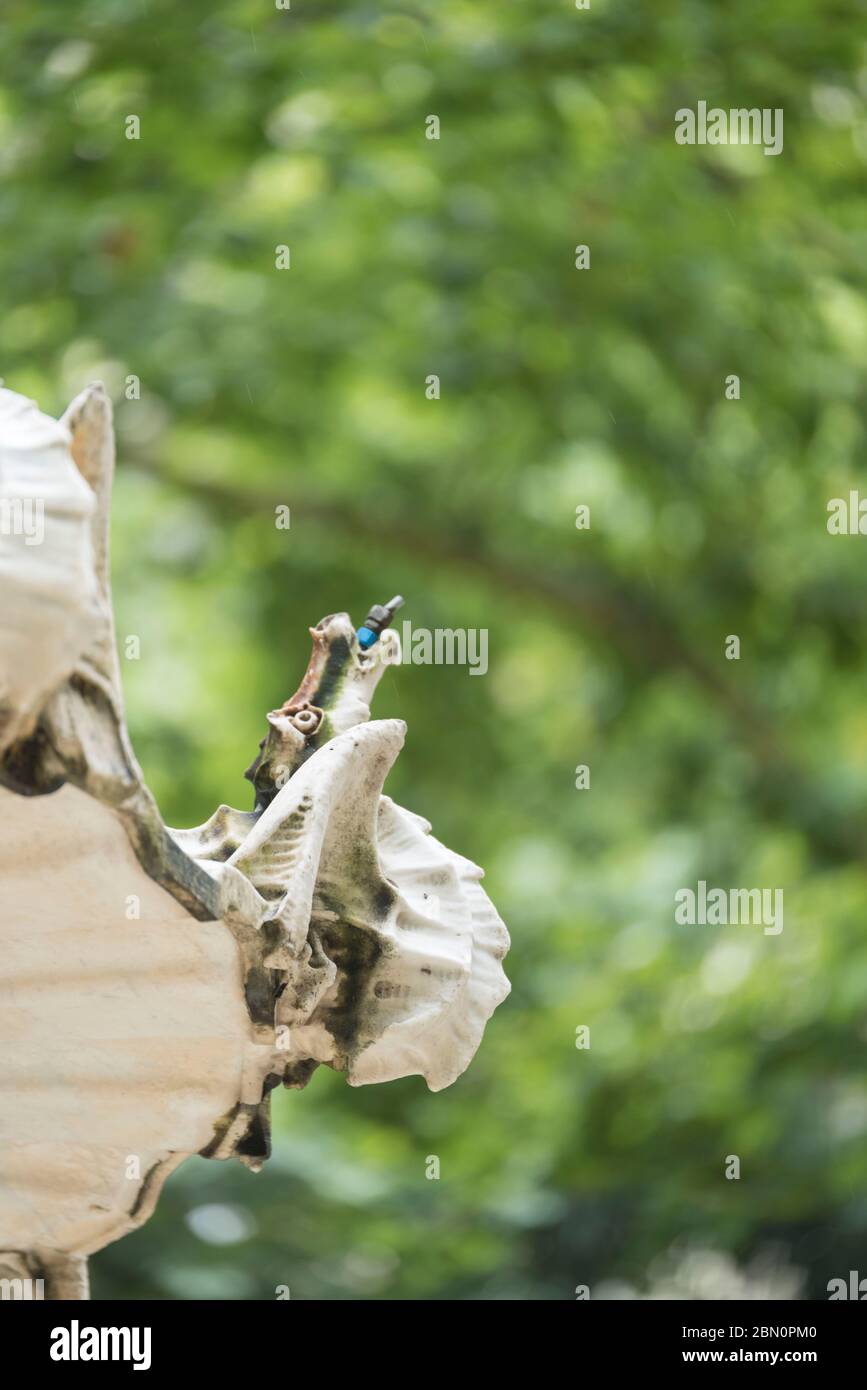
x=156 y=985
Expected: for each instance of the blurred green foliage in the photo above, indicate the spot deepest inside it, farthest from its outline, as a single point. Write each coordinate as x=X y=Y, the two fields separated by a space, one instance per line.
x=259 y=387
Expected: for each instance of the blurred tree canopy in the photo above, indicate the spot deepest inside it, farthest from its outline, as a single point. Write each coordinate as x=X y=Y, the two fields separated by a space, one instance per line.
x=411 y=257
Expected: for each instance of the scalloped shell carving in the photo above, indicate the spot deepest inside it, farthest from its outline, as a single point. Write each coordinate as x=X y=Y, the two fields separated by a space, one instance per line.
x=328 y=925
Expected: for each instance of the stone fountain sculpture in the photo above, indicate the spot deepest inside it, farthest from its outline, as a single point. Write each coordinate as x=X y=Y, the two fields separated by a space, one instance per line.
x=156 y=985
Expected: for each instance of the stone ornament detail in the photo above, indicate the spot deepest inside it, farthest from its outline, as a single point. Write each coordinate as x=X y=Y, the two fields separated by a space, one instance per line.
x=327 y=925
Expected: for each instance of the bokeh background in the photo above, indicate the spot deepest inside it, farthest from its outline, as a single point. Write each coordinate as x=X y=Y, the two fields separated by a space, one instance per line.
x=306 y=388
